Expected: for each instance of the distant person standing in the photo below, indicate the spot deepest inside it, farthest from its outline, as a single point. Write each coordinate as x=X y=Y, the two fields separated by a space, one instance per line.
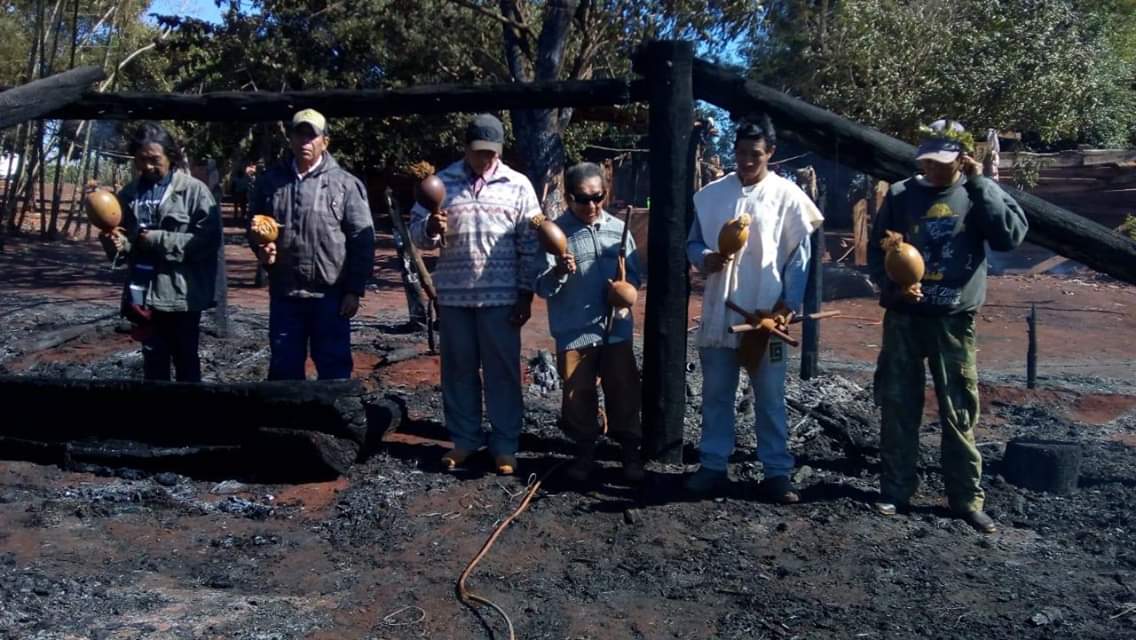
x=240 y=186
x=171 y=237
x=319 y=265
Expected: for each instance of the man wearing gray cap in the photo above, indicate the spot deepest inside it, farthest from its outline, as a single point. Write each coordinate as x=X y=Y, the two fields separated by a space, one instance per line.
x=320 y=262
x=484 y=277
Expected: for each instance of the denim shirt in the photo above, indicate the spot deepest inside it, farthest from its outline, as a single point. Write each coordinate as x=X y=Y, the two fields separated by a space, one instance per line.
x=577 y=303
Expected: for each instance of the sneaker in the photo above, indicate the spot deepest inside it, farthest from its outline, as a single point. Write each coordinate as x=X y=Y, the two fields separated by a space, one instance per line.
x=455 y=458
x=885 y=508
x=778 y=489
x=981 y=522
x=705 y=482
x=506 y=464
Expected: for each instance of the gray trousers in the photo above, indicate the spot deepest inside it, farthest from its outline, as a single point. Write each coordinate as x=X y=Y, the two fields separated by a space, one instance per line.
x=481 y=344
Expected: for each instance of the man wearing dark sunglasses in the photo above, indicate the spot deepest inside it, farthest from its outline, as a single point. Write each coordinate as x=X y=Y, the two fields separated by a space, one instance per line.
x=587 y=351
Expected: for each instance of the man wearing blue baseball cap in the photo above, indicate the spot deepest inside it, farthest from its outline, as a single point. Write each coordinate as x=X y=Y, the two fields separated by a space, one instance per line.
x=949 y=212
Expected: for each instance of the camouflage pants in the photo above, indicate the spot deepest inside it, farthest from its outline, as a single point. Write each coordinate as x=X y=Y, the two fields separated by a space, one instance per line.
x=947 y=344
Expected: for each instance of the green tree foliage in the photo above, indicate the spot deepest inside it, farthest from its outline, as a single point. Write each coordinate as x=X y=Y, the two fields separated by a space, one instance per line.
x=1058 y=70
x=273 y=45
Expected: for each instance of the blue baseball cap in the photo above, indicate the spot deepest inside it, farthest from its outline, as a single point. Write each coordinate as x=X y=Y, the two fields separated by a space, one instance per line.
x=941 y=142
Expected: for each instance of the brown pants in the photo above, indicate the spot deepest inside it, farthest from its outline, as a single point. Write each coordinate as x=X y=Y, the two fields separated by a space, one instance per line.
x=614 y=365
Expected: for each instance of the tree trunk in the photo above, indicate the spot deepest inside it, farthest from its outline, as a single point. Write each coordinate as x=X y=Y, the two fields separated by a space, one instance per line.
x=1042 y=465
x=538 y=131
x=57 y=190
x=667 y=66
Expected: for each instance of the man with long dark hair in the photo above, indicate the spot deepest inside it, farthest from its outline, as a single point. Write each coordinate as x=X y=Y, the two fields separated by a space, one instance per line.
x=170 y=237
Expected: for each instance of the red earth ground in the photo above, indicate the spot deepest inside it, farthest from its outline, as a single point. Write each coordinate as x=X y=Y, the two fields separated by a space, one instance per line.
x=819 y=571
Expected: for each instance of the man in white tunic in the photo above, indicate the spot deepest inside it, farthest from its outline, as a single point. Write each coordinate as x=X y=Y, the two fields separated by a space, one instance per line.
x=767 y=275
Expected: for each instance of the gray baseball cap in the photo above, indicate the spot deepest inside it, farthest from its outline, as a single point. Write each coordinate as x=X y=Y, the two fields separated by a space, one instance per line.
x=485 y=132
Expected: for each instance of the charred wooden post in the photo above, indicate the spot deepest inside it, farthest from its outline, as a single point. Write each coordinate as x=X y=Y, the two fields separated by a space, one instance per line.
x=882 y=156
x=1031 y=352
x=1042 y=465
x=814 y=289
x=667 y=66
x=294 y=430
x=39 y=97
x=220 y=311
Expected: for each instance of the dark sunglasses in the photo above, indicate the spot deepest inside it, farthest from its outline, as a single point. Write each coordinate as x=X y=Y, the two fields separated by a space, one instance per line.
x=584 y=198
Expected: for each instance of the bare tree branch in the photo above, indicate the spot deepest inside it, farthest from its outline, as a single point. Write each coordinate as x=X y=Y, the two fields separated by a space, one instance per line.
x=125 y=61
x=91 y=34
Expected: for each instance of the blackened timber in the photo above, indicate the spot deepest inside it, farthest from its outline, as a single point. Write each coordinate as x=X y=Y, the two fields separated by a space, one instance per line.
x=667 y=66
x=249 y=106
x=885 y=157
x=39 y=97
x=296 y=430
x=814 y=289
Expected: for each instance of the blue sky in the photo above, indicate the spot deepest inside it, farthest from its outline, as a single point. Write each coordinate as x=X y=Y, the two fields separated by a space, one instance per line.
x=201 y=9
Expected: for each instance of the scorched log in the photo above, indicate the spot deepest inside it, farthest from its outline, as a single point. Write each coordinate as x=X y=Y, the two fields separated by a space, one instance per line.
x=36 y=98
x=306 y=429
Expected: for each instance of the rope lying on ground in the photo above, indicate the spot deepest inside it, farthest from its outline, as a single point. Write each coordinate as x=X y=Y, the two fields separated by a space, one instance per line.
x=464 y=594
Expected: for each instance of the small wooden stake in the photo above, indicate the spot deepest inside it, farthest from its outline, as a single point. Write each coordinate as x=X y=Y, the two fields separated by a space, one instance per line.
x=1031 y=354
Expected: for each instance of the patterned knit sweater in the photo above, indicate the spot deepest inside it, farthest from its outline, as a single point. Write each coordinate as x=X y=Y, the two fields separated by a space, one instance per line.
x=491 y=249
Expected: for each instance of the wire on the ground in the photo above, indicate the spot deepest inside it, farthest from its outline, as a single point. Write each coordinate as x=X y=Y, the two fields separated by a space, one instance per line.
x=467 y=596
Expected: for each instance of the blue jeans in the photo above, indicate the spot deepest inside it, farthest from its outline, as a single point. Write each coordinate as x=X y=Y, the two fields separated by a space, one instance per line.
x=719 y=388
x=480 y=344
x=293 y=323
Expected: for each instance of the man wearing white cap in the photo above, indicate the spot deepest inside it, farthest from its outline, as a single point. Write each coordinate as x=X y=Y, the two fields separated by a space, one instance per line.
x=949 y=212
x=320 y=263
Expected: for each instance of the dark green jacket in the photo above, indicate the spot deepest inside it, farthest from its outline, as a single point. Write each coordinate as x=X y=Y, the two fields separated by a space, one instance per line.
x=183 y=246
x=950 y=227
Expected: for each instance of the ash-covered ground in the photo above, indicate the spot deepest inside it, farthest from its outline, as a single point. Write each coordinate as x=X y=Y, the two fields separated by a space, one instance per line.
x=104 y=553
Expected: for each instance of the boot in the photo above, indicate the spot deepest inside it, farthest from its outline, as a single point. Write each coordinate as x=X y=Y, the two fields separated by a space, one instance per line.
x=581 y=469
x=981 y=522
x=778 y=489
x=633 y=471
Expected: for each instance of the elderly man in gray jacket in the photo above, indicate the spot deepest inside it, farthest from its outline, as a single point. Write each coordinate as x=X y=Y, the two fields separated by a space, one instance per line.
x=321 y=261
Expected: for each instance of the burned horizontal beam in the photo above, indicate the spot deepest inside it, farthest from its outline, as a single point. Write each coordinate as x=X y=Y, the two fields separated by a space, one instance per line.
x=252 y=106
x=300 y=430
x=39 y=97
x=885 y=157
